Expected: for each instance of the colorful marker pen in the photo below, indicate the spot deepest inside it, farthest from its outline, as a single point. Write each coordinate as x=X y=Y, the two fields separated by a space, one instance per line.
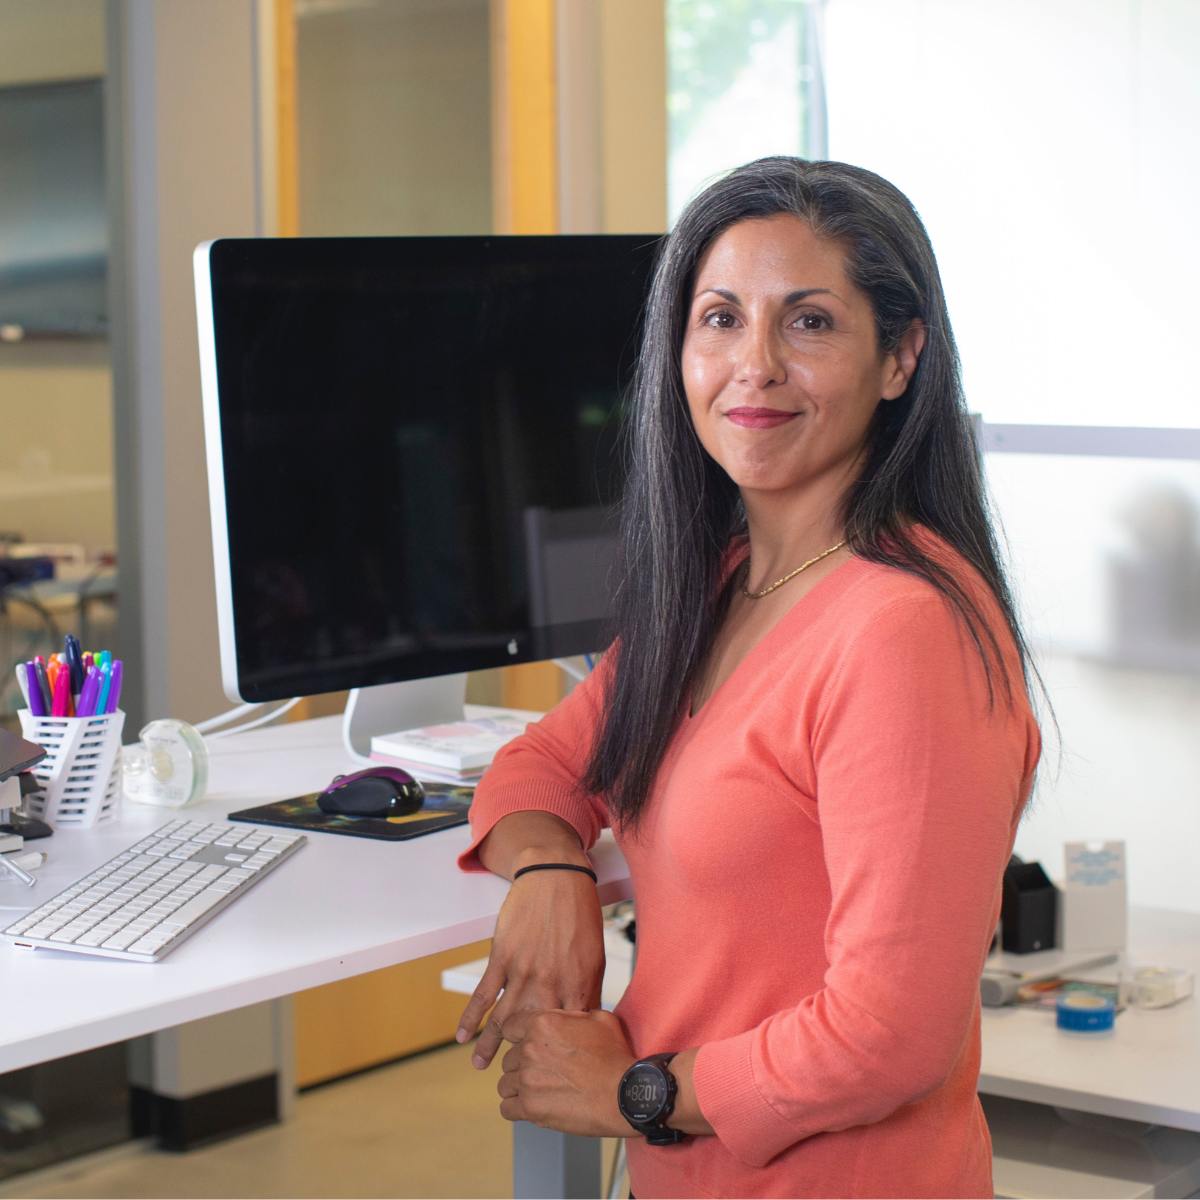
x=87 y=698
x=62 y=689
x=37 y=706
x=114 y=690
x=43 y=683
x=105 y=685
x=73 y=657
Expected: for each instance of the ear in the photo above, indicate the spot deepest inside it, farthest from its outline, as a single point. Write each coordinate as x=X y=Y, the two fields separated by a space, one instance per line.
x=899 y=365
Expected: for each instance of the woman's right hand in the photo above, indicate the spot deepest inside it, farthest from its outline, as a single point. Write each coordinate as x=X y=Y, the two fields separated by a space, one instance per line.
x=547 y=951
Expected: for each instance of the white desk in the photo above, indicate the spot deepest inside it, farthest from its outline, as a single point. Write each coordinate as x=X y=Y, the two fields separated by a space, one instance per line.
x=342 y=906
x=1147 y=1070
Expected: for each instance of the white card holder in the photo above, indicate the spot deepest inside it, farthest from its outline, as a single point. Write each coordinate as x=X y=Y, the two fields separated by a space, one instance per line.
x=1094 y=911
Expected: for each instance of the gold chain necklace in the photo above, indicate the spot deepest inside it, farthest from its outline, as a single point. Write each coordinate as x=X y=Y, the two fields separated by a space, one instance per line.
x=790 y=575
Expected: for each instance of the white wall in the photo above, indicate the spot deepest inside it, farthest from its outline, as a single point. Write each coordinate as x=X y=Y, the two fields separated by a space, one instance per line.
x=1051 y=147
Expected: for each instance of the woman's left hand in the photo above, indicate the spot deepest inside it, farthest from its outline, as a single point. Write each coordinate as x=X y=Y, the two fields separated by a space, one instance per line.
x=563 y=1071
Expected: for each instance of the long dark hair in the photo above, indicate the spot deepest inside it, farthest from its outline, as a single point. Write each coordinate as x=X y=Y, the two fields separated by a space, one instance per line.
x=680 y=510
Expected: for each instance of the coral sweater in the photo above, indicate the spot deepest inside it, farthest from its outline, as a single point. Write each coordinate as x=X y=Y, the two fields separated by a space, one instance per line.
x=817 y=880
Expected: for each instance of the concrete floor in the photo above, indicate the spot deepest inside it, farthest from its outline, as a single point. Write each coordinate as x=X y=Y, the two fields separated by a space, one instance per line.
x=427 y=1126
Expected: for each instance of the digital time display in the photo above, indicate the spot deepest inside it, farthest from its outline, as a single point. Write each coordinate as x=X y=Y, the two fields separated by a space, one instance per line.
x=643 y=1094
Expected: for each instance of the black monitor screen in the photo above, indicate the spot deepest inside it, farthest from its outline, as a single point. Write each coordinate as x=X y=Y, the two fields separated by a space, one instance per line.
x=419 y=450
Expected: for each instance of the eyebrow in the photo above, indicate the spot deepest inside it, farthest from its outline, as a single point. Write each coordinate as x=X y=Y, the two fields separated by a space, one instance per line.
x=790 y=298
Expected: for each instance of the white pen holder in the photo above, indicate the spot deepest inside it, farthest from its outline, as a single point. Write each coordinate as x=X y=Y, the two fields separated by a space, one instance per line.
x=81 y=773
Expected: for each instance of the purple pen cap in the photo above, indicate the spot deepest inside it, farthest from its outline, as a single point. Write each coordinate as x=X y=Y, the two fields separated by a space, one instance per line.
x=87 y=697
x=36 y=707
x=114 y=687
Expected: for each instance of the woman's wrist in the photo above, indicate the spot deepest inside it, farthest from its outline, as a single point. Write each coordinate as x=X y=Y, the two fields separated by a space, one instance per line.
x=687 y=1117
x=575 y=868
x=559 y=852
x=523 y=838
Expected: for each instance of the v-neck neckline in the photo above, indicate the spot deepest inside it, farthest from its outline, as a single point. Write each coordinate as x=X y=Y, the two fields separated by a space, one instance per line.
x=823 y=590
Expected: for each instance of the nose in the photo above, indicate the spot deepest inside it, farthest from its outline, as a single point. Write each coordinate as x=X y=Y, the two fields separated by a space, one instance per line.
x=760 y=361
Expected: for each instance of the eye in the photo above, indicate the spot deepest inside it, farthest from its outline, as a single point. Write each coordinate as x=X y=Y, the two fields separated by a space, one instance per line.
x=719 y=318
x=812 y=322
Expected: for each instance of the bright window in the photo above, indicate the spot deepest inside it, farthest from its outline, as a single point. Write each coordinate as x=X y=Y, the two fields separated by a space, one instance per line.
x=743 y=81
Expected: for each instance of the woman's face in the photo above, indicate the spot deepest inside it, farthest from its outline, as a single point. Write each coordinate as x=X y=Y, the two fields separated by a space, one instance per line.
x=781 y=362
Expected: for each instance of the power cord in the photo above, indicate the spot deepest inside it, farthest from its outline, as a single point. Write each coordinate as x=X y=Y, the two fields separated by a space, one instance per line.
x=265 y=719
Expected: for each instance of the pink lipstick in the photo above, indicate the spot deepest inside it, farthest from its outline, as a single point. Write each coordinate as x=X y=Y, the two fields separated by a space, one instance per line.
x=759 y=418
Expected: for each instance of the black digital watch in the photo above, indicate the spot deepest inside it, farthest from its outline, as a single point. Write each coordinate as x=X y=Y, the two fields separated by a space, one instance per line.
x=646 y=1098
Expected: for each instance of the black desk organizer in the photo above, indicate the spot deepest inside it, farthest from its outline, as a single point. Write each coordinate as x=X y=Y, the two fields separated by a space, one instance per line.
x=1028 y=909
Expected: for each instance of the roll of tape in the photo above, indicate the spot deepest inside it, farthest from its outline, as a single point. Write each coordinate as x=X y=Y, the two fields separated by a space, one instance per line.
x=1157 y=987
x=998 y=989
x=1086 y=1012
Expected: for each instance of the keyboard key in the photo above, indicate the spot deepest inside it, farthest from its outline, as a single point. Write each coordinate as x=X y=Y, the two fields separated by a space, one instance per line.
x=152 y=942
x=194 y=908
x=68 y=933
x=121 y=940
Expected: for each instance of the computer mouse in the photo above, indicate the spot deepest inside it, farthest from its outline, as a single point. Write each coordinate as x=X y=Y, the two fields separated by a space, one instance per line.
x=375 y=792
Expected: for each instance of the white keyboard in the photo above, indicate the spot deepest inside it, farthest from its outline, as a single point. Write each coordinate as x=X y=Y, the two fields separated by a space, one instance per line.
x=141 y=904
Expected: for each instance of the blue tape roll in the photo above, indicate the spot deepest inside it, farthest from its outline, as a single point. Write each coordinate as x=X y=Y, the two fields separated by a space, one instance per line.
x=1086 y=1012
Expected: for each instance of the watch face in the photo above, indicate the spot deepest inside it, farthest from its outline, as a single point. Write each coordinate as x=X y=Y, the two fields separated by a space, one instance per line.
x=643 y=1093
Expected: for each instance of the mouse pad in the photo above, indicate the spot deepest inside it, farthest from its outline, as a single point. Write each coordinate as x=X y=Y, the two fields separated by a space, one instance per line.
x=446 y=805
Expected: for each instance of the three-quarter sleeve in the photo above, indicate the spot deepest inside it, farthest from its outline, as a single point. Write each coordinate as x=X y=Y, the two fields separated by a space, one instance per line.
x=918 y=790
x=542 y=770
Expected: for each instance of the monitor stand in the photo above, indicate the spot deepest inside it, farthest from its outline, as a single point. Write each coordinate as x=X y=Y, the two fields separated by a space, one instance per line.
x=388 y=707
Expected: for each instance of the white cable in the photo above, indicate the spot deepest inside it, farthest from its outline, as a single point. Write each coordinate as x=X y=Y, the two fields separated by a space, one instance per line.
x=263 y=720
x=232 y=715
x=571 y=669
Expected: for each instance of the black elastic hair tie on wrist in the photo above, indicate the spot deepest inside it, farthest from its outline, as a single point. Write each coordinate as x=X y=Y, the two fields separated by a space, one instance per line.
x=556 y=867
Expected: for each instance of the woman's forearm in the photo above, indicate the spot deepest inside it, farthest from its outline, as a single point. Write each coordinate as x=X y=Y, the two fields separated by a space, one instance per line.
x=523 y=838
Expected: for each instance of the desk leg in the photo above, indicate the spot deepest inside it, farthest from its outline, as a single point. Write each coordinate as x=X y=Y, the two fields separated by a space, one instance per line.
x=213 y=1077
x=551 y=1164
x=285 y=1055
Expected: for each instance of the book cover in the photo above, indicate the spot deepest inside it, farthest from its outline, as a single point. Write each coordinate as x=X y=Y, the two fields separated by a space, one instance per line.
x=426 y=772
x=459 y=745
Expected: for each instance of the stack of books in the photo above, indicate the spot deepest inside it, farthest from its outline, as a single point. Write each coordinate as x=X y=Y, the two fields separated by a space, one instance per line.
x=458 y=752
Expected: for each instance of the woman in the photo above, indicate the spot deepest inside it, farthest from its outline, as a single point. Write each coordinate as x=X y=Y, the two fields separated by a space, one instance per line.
x=812 y=735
